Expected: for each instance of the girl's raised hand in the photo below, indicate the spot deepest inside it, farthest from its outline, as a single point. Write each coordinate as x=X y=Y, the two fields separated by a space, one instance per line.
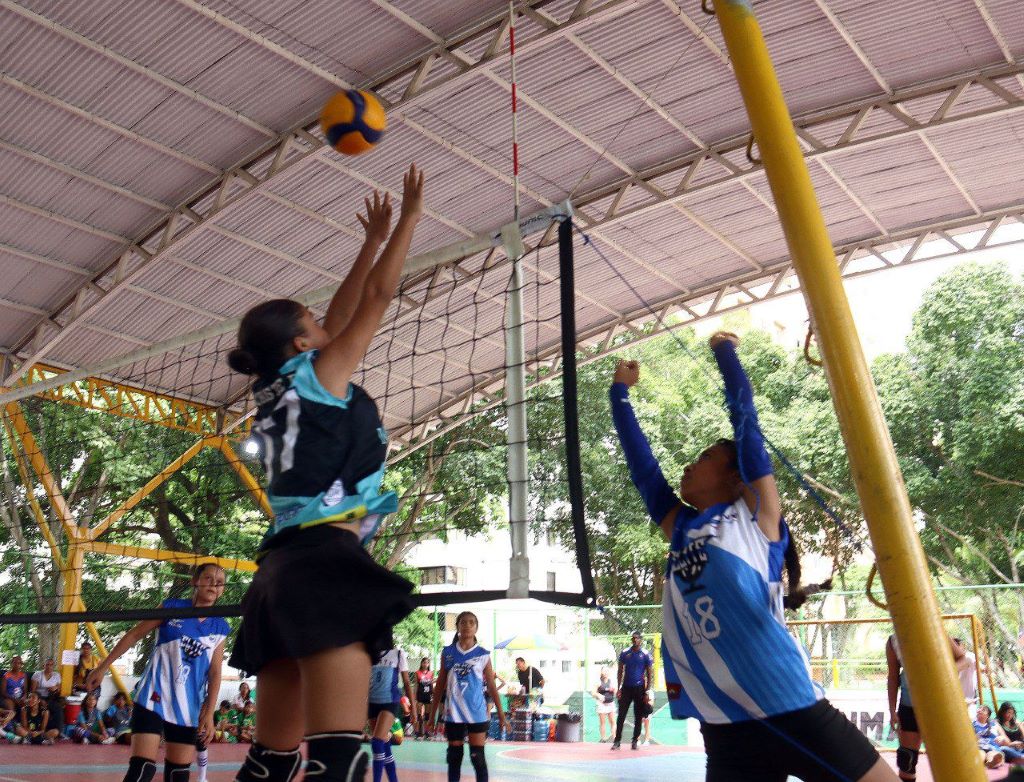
x=412 y=193
x=723 y=336
x=627 y=372
x=377 y=222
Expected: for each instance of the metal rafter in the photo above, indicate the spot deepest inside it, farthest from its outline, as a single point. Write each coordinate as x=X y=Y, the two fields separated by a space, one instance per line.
x=290 y=149
x=1000 y=39
x=648 y=322
x=131 y=65
x=882 y=82
x=855 y=136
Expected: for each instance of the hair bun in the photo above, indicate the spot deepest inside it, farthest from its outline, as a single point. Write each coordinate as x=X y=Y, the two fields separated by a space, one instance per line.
x=241 y=360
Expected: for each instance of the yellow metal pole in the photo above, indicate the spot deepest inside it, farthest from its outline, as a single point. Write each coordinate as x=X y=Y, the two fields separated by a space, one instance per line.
x=102 y=650
x=952 y=748
x=42 y=469
x=166 y=555
x=148 y=489
x=988 y=663
x=71 y=577
x=37 y=510
x=247 y=478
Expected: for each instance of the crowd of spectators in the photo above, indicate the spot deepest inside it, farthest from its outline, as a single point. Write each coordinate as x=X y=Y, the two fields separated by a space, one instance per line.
x=32 y=709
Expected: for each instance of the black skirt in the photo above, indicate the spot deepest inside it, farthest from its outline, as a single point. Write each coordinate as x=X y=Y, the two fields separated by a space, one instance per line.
x=317 y=589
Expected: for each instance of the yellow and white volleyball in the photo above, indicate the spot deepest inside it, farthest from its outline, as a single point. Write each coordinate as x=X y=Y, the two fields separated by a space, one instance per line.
x=353 y=121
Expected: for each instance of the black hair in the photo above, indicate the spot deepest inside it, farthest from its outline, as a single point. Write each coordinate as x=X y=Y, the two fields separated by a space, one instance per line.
x=1004 y=707
x=458 y=619
x=797 y=594
x=201 y=568
x=225 y=704
x=265 y=337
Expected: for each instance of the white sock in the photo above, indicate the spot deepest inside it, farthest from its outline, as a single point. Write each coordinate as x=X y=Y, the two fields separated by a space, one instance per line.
x=202 y=758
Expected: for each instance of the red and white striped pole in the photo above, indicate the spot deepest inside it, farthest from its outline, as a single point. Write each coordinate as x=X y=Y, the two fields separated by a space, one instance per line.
x=515 y=119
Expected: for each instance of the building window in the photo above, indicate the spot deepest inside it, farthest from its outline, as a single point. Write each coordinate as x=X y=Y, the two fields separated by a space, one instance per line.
x=566 y=666
x=549 y=537
x=447 y=622
x=551 y=581
x=543 y=663
x=552 y=622
x=442 y=574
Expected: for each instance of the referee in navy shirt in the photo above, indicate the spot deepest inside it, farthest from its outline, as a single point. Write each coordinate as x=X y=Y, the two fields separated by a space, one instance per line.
x=635 y=664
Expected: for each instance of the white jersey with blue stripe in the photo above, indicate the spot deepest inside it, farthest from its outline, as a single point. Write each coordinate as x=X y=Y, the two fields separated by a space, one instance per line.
x=173 y=686
x=728 y=654
x=386 y=677
x=465 y=701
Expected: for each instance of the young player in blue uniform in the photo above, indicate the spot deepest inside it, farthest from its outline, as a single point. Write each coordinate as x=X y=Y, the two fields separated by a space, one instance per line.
x=729 y=660
x=176 y=697
x=388 y=678
x=466 y=676
x=319 y=606
x=634 y=677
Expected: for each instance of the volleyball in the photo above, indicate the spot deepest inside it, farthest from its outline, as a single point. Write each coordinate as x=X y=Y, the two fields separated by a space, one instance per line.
x=353 y=122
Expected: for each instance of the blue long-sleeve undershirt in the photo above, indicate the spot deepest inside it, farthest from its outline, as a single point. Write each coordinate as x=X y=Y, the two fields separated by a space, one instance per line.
x=644 y=469
x=754 y=461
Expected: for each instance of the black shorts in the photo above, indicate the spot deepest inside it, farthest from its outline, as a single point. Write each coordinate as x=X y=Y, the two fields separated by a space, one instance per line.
x=317 y=589
x=146 y=721
x=907 y=718
x=816 y=744
x=457 y=731
x=424 y=699
x=375 y=709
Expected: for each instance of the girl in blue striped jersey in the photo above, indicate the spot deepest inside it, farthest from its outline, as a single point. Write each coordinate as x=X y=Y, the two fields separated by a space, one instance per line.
x=466 y=675
x=729 y=660
x=176 y=696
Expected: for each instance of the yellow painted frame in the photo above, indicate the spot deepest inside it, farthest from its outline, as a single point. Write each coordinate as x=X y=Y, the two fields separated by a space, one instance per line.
x=883 y=496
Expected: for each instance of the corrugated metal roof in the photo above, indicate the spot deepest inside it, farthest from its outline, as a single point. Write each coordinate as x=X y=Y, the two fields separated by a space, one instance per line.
x=94 y=145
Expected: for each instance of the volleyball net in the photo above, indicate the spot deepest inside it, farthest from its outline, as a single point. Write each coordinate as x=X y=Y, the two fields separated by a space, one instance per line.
x=118 y=479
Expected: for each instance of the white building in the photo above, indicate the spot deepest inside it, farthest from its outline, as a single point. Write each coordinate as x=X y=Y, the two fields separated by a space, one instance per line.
x=481 y=562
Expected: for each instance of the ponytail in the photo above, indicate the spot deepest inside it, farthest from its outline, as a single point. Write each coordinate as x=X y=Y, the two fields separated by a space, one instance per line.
x=265 y=337
x=797 y=595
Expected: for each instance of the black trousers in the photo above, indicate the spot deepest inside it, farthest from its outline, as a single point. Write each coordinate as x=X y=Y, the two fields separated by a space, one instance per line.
x=630 y=695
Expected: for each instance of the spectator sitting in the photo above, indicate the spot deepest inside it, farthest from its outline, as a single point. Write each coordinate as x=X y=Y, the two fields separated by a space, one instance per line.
x=15 y=686
x=1007 y=716
x=225 y=723
x=247 y=723
x=35 y=722
x=88 y=728
x=7 y=726
x=244 y=696
x=992 y=741
x=87 y=662
x=46 y=684
x=118 y=718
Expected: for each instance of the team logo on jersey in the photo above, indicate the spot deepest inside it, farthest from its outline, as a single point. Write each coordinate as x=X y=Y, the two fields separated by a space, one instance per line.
x=191 y=647
x=689 y=562
x=462 y=670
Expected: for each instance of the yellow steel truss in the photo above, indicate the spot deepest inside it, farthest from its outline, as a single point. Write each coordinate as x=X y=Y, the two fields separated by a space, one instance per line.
x=127 y=402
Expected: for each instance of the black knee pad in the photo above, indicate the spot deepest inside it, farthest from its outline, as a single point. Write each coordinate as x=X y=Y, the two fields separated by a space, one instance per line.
x=337 y=757
x=176 y=772
x=200 y=745
x=906 y=760
x=269 y=765
x=455 y=754
x=479 y=761
x=140 y=769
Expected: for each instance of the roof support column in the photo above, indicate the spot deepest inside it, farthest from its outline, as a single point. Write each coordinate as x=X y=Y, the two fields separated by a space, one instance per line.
x=952 y=748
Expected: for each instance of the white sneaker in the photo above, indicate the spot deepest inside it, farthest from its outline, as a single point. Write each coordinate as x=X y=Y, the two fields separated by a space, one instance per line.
x=108 y=740
x=645 y=743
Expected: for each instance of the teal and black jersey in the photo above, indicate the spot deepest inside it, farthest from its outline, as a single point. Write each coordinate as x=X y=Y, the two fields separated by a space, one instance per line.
x=324 y=455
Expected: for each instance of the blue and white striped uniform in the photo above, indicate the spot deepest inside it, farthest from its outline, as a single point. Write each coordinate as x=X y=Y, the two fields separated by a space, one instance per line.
x=465 y=701
x=386 y=677
x=728 y=655
x=324 y=455
x=173 y=686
